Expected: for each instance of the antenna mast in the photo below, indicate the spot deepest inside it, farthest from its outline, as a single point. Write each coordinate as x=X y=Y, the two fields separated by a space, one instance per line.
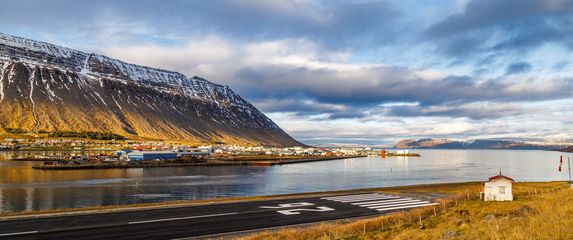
x=569 y=166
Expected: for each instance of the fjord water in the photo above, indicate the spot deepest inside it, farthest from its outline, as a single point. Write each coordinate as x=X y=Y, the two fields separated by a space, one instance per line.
x=24 y=189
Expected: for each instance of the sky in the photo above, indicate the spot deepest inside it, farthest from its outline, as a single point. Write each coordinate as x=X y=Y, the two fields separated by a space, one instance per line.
x=353 y=72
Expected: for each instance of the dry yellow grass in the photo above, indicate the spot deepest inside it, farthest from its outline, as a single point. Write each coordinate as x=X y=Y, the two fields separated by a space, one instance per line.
x=540 y=211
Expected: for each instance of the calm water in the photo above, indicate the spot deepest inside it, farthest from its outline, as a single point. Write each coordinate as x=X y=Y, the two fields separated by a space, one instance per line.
x=23 y=188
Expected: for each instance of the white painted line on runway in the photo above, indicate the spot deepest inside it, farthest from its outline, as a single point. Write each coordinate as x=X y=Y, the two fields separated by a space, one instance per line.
x=298 y=210
x=383 y=200
x=17 y=233
x=383 y=197
x=406 y=207
x=365 y=200
x=356 y=197
x=380 y=202
x=183 y=218
x=394 y=202
x=351 y=196
x=396 y=205
x=389 y=207
x=362 y=200
x=289 y=205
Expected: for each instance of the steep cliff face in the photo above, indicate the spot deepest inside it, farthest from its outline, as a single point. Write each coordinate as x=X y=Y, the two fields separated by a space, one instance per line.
x=44 y=87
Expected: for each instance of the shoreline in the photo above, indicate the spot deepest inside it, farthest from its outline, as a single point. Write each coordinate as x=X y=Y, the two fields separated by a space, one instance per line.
x=40 y=160
x=434 y=191
x=216 y=162
x=400 y=155
x=56 y=150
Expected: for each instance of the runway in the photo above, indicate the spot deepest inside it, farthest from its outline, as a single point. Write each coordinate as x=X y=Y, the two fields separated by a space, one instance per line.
x=207 y=220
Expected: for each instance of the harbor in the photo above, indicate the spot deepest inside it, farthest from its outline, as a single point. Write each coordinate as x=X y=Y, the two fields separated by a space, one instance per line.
x=122 y=154
x=70 y=165
x=185 y=156
x=24 y=188
x=398 y=153
x=182 y=157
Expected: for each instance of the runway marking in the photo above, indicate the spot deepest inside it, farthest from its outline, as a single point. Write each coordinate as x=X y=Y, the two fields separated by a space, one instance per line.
x=298 y=210
x=383 y=200
x=355 y=197
x=390 y=202
x=365 y=198
x=17 y=233
x=289 y=205
x=358 y=197
x=396 y=204
x=406 y=207
x=351 y=196
x=183 y=218
x=380 y=202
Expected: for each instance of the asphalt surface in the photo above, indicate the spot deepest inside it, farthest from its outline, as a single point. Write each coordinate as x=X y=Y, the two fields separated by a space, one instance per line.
x=207 y=220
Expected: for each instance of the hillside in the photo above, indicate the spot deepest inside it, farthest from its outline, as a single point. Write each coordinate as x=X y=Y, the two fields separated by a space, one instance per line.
x=47 y=88
x=474 y=144
x=567 y=149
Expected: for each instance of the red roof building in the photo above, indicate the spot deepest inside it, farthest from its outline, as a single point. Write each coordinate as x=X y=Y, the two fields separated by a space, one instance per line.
x=498 y=188
x=496 y=177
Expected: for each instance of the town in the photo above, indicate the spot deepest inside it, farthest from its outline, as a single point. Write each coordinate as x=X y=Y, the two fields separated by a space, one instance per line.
x=61 y=154
x=158 y=146
x=69 y=154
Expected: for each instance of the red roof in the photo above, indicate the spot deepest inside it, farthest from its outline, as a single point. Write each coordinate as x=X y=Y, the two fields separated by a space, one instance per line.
x=500 y=177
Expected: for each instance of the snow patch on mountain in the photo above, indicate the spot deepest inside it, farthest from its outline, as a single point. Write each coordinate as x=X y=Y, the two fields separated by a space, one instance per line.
x=32 y=84
x=3 y=67
x=65 y=59
x=61 y=87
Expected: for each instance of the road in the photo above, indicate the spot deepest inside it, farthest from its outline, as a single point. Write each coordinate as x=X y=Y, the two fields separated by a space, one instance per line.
x=207 y=220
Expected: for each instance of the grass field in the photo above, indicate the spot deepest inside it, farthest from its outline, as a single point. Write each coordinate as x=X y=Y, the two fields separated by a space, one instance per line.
x=540 y=211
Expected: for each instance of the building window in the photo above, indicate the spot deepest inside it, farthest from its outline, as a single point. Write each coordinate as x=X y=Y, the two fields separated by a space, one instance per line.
x=502 y=190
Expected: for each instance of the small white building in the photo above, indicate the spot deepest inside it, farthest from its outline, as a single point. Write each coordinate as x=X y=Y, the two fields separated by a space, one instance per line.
x=498 y=188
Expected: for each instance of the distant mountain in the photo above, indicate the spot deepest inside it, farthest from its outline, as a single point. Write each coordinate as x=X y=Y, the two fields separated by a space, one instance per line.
x=474 y=144
x=567 y=149
x=47 y=88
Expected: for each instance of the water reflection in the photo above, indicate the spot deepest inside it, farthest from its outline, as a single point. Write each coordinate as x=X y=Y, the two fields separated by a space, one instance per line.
x=23 y=188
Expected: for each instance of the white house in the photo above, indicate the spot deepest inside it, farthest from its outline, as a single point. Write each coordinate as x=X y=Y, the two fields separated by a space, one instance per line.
x=498 y=188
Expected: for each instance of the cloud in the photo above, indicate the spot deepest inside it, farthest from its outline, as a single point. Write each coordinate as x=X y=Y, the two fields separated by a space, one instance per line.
x=532 y=120
x=373 y=85
x=518 y=67
x=357 y=70
x=298 y=76
x=475 y=111
x=333 y=24
x=487 y=27
x=209 y=56
x=219 y=59
x=560 y=65
x=300 y=106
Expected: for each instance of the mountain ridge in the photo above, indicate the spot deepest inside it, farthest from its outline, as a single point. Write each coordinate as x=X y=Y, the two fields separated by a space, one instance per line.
x=474 y=144
x=44 y=87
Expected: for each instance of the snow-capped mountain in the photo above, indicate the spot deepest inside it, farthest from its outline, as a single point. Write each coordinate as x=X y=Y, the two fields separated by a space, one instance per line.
x=46 y=88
